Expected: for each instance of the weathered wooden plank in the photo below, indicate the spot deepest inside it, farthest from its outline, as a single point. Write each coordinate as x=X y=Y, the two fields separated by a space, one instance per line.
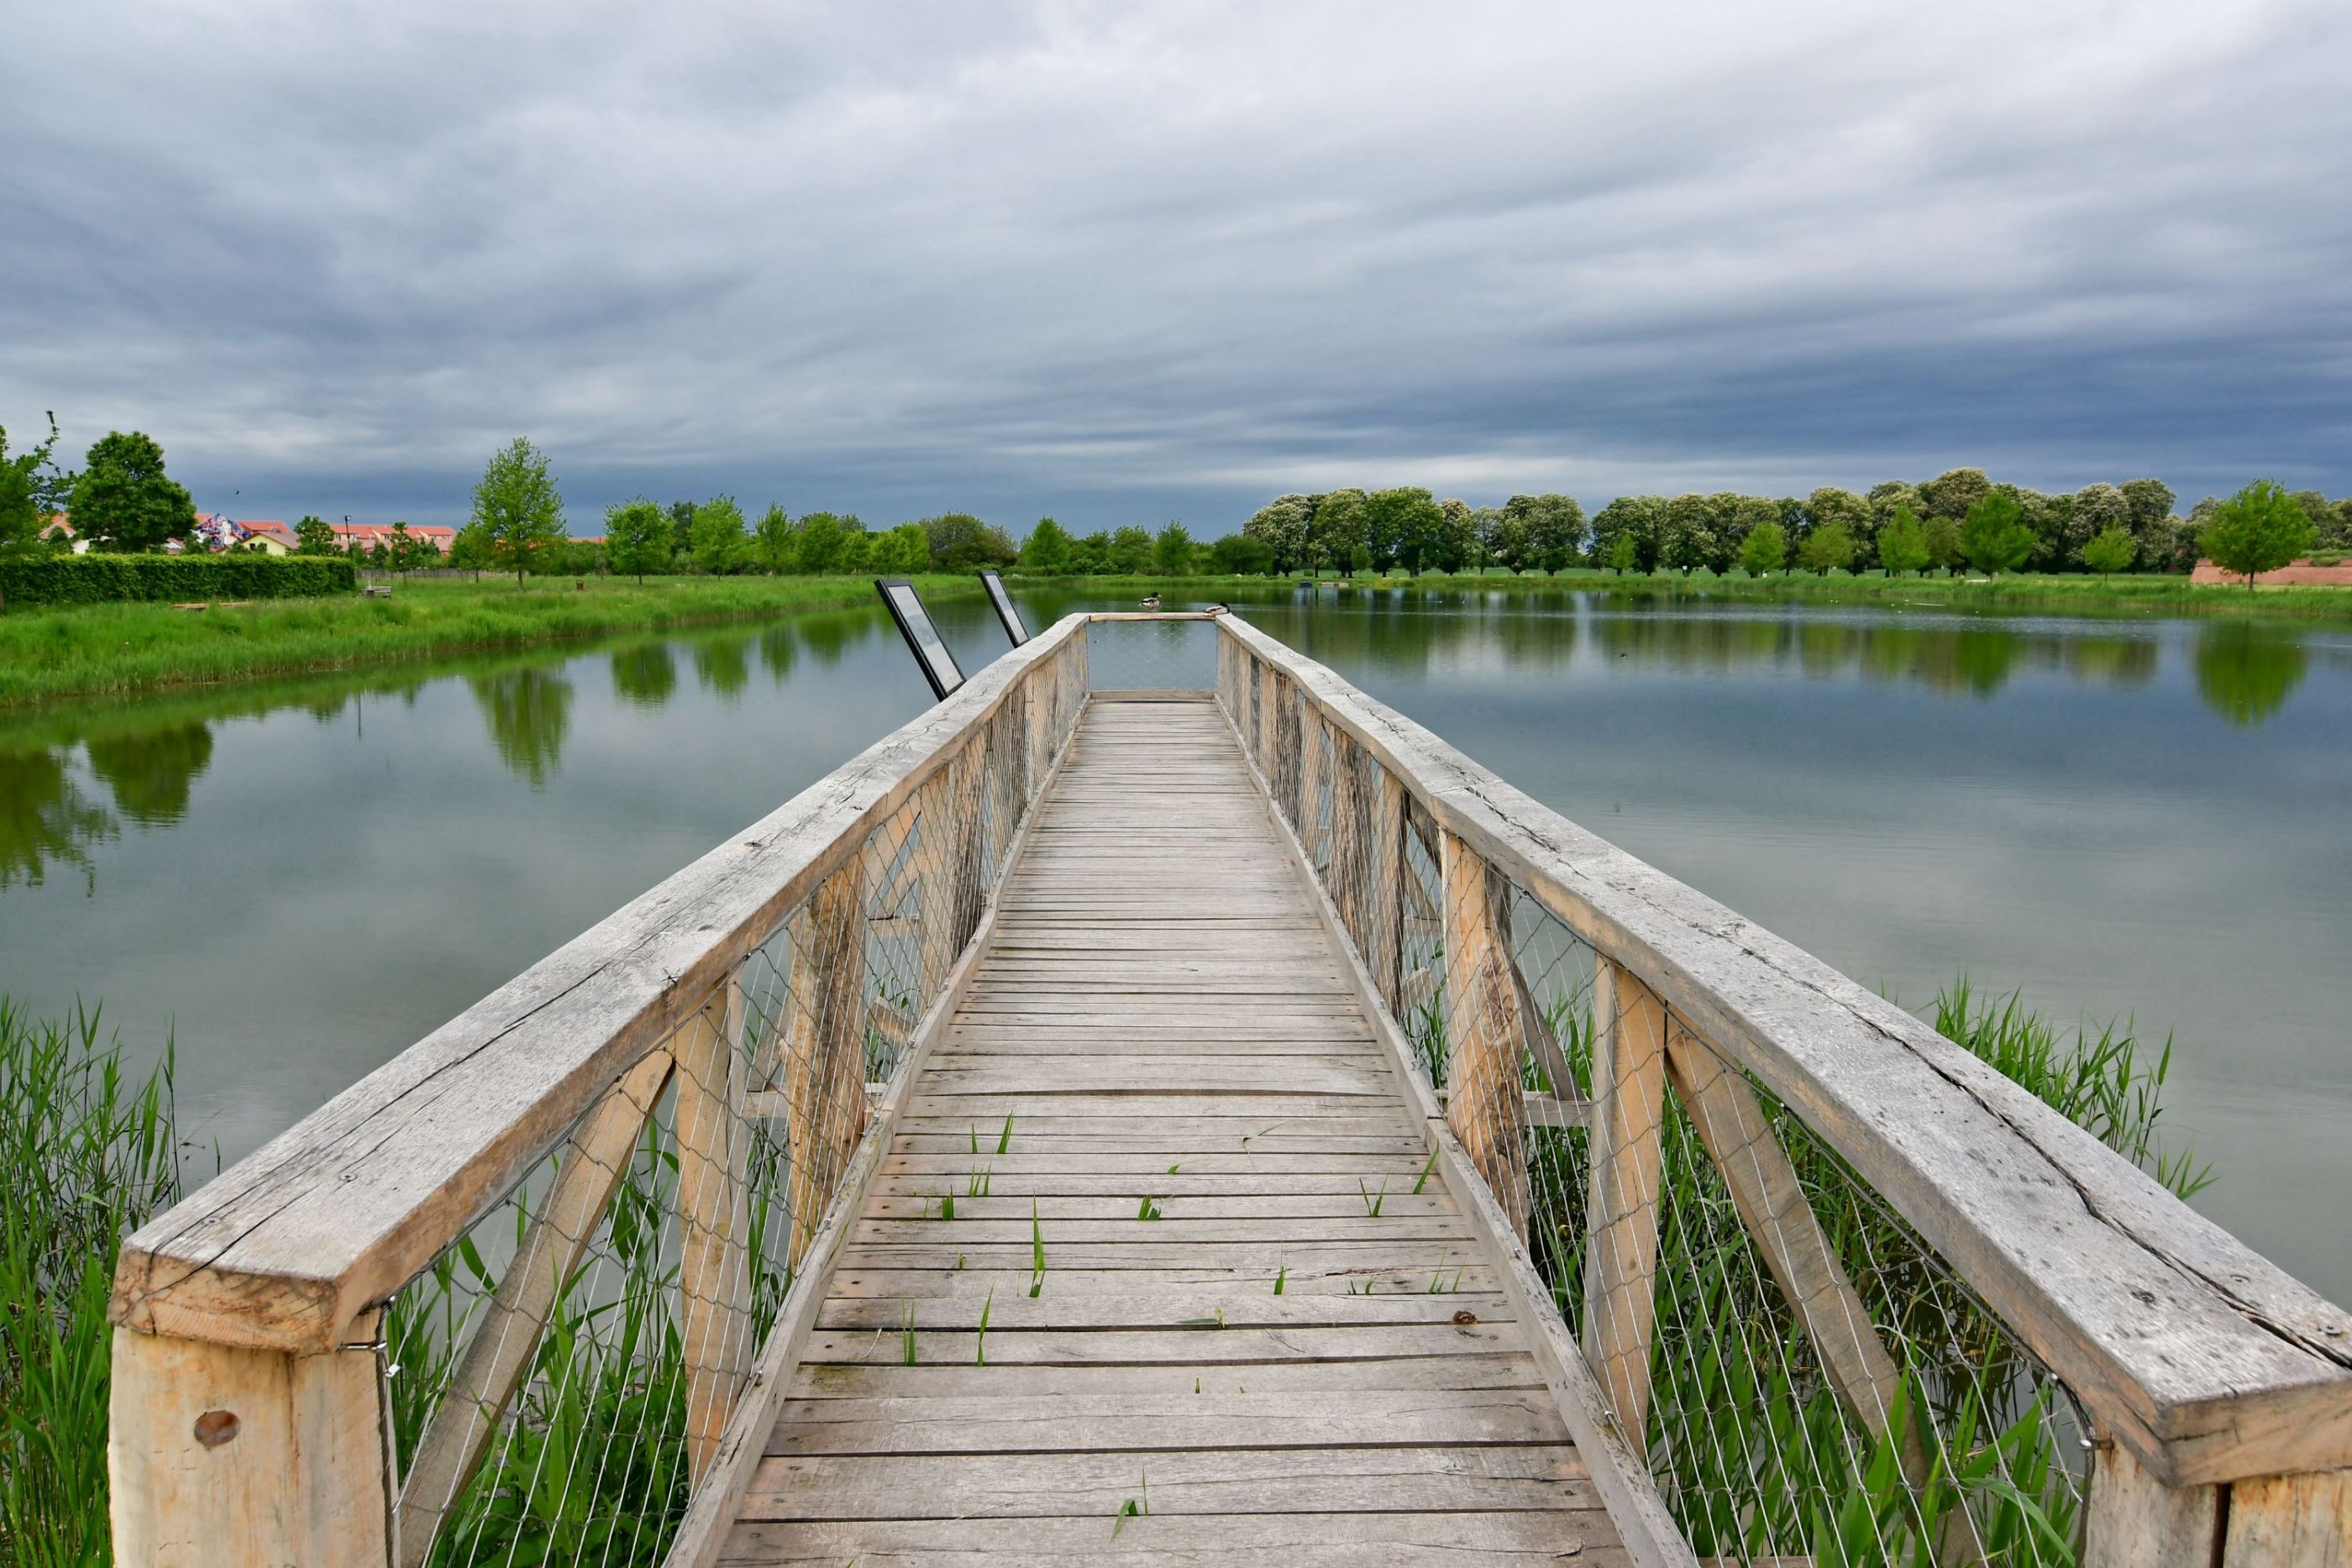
x=1246 y=1540
x=1485 y=1104
x=1168 y=1389
x=1234 y=1481
x=1258 y=1307
x=2134 y=1521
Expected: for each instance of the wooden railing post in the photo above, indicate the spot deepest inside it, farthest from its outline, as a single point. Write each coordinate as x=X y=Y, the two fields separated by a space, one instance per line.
x=714 y=1277
x=1621 y=1255
x=222 y=1457
x=1485 y=1104
x=825 y=1068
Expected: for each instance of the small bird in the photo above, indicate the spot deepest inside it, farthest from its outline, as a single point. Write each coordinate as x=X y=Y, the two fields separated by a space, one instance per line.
x=1221 y=609
x=1151 y=602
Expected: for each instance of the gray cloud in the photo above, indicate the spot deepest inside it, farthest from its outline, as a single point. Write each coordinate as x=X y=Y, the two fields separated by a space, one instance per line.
x=1124 y=264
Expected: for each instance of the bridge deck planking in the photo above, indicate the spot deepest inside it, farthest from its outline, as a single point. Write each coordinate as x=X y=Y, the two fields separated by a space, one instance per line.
x=1163 y=1016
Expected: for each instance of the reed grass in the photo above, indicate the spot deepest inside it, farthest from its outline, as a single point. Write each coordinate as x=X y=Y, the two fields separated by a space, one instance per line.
x=88 y=1155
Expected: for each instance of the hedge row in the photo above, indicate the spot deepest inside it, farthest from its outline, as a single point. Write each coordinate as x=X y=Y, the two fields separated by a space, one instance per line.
x=97 y=578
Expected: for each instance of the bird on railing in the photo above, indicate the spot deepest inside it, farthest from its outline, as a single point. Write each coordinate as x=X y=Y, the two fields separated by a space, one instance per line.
x=1220 y=610
x=1151 y=602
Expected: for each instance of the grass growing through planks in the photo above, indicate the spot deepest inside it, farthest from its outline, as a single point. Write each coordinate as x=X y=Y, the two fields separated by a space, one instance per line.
x=980 y=1340
x=1374 y=1203
x=907 y=1334
x=1037 y=1252
x=1422 y=1180
x=89 y=1156
x=1281 y=1275
x=1135 y=1508
x=1147 y=1209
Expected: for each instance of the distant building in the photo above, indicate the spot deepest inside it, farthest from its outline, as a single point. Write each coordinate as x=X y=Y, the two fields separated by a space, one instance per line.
x=367 y=536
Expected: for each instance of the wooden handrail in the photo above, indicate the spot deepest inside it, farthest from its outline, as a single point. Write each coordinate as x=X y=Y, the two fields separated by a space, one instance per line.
x=293 y=1246
x=2207 y=1361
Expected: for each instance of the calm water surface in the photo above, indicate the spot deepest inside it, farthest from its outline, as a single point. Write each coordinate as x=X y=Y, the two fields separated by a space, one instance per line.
x=2150 y=819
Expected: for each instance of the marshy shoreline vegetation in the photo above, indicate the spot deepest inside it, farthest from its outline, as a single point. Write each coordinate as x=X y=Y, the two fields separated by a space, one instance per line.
x=93 y=1152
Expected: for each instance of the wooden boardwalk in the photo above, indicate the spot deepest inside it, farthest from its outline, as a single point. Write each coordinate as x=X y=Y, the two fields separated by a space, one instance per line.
x=1161 y=1078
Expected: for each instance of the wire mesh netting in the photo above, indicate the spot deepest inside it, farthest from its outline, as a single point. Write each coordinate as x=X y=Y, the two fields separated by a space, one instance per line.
x=563 y=1373
x=1803 y=1374
x=1165 y=655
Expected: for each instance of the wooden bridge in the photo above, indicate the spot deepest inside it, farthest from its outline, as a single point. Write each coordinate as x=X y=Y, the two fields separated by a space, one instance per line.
x=1199 y=1117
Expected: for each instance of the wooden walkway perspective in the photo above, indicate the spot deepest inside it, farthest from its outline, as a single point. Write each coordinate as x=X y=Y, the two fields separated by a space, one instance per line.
x=1260 y=1314
x=1129 y=1114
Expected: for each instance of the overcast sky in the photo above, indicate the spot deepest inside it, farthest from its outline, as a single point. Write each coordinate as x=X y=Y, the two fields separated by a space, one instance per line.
x=1123 y=263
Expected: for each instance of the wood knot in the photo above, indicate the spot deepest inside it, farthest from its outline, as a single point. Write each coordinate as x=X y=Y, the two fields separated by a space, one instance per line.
x=1465 y=1318
x=214 y=1427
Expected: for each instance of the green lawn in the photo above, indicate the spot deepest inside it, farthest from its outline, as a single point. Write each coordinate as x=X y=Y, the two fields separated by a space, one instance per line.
x=96 y=648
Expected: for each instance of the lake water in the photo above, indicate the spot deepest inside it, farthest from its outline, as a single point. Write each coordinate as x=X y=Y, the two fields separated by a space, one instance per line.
x=2143 y=818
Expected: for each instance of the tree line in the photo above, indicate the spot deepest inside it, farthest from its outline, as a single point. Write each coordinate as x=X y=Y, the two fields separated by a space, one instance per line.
x=1961 y=518
x=123 y=499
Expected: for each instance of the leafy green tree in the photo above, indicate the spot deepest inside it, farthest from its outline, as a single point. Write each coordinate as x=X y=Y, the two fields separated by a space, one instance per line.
x=1460 y=545
x=2097 y=508
x=517 y=504
x=1555 y=528
x=772 y=539
x=1831 y=505
x=1335 y=529
x=1943 y=543
x=316 y=536
x=1829 y=548
x=1994 y=537
x=471 y=549
x=1624 y=555
x=2149 y=502
x=962 y=542
x=1765 y=550
x=1641 y=519
x=124 y=501
x=1503 y=536
x=1885 y=498
x=857 y=545
x=2110 y=550
x=1046 y=552
x=1130 y=551
x=719 y=542
x=1281 y=526
x=1953 y=492
x=2259 y=529
x=817 y=544
x=1090 y=556
x=1359 y=558
x=1903 y=542
x=636 y=537
x=681 y=530
x=32 y=491
x=1171 y=551
x=905 y=550
x=1240 y=555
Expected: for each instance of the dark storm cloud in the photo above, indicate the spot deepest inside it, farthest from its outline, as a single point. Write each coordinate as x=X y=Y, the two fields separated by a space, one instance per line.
x=1117 y=263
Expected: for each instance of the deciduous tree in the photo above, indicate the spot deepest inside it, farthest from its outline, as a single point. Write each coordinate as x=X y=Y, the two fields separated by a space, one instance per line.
x=772 y=539
x=1829 y=548
x=1903 y=542
x=316 y=536
x=1171 y=551
x=32 y=490
x=2110 y=549
x=2259 y=529
x=1994 y=538
x=718 y=537
x=1046 y=552
x=124 y=501
x=636 y=537
x=517 y=504
x=1765 y=550
x=1281 y=526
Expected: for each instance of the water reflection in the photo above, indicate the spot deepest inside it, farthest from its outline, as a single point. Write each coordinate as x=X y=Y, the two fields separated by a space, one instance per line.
x=723 y=664
x=2245 y=672
x=777 y=651
x=529 y=711
x=645 y=673
x=151 y=771
x=44 y=817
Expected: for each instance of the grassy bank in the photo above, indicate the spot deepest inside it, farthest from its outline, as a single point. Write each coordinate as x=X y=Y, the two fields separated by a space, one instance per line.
x=113 y=648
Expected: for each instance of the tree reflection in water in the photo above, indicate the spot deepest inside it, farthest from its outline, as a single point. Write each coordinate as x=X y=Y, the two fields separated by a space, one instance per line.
x=723 y=664
x=2245 y=672
x=644 y=674
x=530 y=712
x=44 y=817
x=151 y=771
